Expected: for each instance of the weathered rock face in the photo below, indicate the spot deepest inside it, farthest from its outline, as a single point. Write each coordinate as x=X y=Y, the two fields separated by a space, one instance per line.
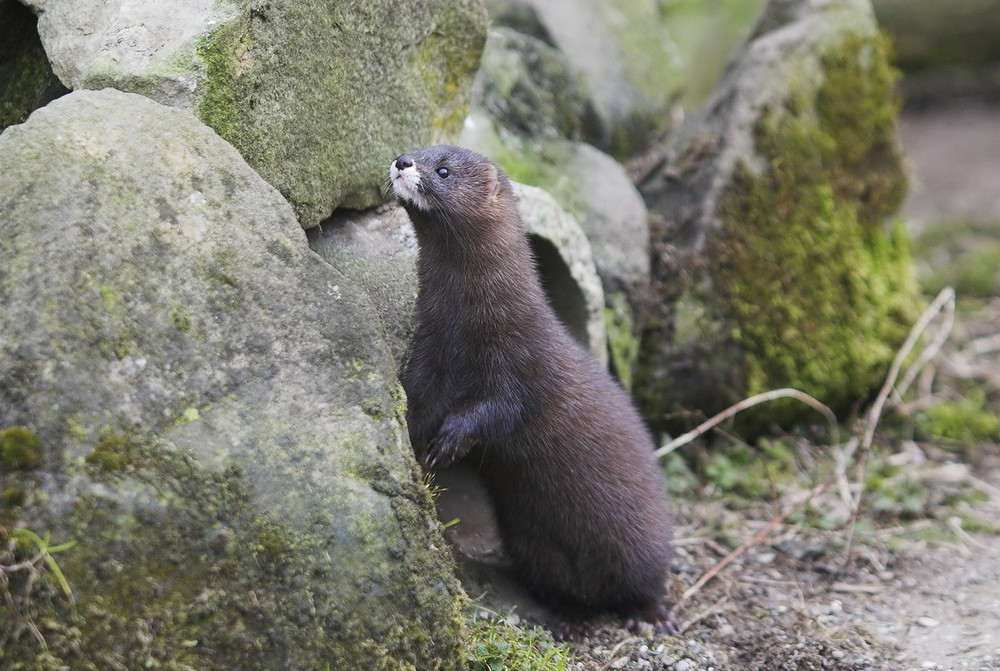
x=219 y=423
x=773 y=266
x=623 y=52
x=313 y=94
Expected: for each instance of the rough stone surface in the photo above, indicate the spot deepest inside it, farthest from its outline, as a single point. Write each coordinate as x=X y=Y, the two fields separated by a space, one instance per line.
x=566 y=264
x=773 y=265
x=313 y=94
x=623 y=52
x=636 y=61
x=220 y=426
x=378 y=250
x=531 y=88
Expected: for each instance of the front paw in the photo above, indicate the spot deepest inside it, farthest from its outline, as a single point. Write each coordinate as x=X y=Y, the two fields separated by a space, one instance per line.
x=450 y=444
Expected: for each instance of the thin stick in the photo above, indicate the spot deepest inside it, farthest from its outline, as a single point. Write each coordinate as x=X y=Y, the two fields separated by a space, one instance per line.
x=944 y=300
x=757 y=399
x=940 y=338
x=725 y=561
x=946 y=296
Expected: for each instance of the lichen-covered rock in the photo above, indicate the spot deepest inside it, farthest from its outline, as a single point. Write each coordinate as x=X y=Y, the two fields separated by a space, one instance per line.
x=313 y=94
x=214 y=412
x=378 y=250
x=531 y=88
x=773 y=264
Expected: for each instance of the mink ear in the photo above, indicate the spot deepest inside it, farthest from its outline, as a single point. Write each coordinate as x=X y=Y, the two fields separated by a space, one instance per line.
x=493 y=182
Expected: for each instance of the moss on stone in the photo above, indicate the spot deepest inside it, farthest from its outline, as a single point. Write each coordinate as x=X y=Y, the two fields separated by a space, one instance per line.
x=225 y=53
x=623 y=345
x=12 y=497
x=817 y=294
x=20 y=448
x=113 y=452
x=449 y=84
x=189 y=555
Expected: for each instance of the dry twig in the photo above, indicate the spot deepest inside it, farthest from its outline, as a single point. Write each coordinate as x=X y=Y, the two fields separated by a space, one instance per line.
x=757 y=399
x=725 y=561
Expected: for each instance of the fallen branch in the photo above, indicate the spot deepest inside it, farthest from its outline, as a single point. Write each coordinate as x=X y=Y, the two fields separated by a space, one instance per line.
x=944 y=301
x=757 y=399
x=728 y=559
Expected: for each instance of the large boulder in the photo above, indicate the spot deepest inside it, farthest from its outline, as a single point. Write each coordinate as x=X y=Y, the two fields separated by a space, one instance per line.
x=773 y=263
x=207 y=408
x=313 y=94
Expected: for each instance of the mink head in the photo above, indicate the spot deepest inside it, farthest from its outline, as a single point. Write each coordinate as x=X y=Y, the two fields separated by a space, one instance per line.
x=448 y=183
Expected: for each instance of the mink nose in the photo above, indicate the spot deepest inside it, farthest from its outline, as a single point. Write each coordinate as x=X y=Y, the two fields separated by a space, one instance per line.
x=403 y=162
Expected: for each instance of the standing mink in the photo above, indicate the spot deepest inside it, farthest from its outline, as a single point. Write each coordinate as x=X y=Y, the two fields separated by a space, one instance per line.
x=495 y=376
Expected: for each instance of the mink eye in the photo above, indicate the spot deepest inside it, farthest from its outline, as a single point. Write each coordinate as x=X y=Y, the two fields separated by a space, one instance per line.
x=442 y=172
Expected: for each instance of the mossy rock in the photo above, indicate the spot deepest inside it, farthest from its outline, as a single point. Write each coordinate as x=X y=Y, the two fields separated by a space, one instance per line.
x=317 y=96
x=775 y=265
x=222 y=425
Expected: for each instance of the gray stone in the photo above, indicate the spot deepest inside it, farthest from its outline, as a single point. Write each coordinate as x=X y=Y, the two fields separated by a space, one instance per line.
x=221 y=424
x=316 y=96
x=378 y=250
x=623 y=52
x=530 y=88
x=566 y=265
x=639 y=63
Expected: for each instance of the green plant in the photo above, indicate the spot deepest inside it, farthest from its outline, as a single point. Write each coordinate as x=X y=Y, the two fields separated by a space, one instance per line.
x=43 y=553
x=495 y=645
x=967 y=420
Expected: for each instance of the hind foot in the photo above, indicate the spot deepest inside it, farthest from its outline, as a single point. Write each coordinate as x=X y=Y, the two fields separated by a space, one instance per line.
x=653 y=619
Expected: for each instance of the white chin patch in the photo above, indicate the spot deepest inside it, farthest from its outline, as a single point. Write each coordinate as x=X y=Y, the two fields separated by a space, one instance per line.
x=405 y=183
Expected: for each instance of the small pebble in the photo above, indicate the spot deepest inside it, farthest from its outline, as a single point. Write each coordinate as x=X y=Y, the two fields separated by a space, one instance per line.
x=928 y=622
x=683 y=665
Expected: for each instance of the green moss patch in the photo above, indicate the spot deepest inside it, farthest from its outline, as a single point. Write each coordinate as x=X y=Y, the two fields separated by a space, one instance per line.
x=968 y=420
x=818 y=295
x=19 y=448
x=495 y=645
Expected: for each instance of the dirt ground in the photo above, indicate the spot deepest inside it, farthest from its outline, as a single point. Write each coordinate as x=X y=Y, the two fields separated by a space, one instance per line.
x=917 y=590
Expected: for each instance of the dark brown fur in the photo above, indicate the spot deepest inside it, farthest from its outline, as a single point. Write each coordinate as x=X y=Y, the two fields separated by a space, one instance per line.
x=494 y=377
